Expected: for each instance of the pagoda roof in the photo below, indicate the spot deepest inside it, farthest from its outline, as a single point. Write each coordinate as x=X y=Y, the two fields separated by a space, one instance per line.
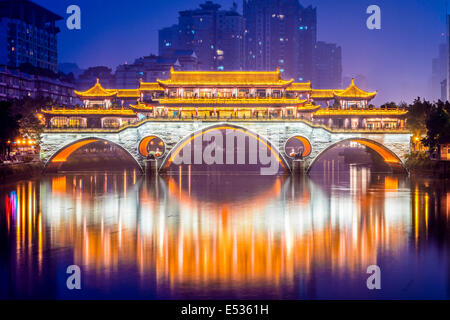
x=296 y=86
x=128 y=93
x=323 y=93
x=225 y=78
x=353 y=92
x=150 y=86
x=96 y=91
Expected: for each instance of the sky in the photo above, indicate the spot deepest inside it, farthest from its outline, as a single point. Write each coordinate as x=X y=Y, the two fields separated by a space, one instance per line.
x=396 y=59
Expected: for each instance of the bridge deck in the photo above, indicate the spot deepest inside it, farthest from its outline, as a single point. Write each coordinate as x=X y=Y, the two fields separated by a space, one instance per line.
x=221 y=120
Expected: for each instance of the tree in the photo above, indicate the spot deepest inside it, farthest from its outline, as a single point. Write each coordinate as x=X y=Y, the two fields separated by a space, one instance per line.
x=438 y=126
x=417 y=115
x=9 y=127
x=26 y=111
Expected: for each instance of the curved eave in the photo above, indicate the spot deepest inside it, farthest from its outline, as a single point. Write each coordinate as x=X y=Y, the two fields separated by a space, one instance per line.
x=311 y=108
x=83 y=95
x=88 y=112
x=141 y=107
x=169 y=83
x=369 y=113
x=128 y=93
x=368 y=96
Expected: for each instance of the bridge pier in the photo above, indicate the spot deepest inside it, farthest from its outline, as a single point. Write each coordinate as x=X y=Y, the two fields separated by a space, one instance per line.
x=151 y=167
x=298 y=167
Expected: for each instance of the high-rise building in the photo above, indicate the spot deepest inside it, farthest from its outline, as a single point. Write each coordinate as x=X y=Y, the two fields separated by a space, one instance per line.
x=327 y=65
x=272 y=35
x=307 y=40
x=28 y=35
x=168 y=39
x=216 y=36
x=447 y=55
x=438 y=72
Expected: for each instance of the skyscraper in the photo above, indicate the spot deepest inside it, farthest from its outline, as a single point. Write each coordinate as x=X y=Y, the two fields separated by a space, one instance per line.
x=327 y=66
x=28 y=35
x=438 y=72
x=307 y=40
x=272 y=35
x=216 y=36
x=448 y=58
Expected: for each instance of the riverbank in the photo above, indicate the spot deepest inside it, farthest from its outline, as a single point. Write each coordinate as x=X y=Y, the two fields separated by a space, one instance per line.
x=434 y=169
x=16 y=171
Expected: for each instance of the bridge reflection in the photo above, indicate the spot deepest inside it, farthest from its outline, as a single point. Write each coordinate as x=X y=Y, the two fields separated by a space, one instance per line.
x=203 y=236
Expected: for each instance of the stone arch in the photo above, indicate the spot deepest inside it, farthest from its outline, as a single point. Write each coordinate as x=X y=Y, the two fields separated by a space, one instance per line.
x=186 y=139
x=389 y=156
x=64 y=152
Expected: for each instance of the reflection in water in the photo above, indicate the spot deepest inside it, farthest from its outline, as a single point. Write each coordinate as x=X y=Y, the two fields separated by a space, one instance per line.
x=225 y=236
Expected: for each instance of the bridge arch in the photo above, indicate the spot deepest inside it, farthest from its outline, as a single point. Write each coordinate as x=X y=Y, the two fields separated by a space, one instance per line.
x=224 y=126
x=388 y=156
x=64 y=152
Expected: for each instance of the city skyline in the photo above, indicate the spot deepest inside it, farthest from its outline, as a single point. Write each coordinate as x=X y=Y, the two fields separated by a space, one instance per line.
x=408 y=78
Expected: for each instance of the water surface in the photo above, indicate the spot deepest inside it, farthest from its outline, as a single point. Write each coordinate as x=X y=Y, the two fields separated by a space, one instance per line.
x=225 y=236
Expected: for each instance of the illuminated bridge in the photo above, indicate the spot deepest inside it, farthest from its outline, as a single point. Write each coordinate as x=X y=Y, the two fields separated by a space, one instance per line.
x=173 y=135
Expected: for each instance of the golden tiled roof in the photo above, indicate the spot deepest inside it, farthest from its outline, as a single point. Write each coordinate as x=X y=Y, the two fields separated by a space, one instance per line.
x=299 y=87
x=369 y=112
x=225 y=78
x=128 y=93
x=83 y=111
x=141 y=106
x=354 y=92
x=97 y=91
x=323 y=93
x=150 y=86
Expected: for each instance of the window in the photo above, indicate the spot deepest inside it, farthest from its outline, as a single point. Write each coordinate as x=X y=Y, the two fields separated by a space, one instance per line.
x=111 y=123
x=59 y=122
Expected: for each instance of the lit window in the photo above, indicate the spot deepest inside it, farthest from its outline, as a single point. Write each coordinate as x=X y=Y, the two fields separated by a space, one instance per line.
x=221 y=68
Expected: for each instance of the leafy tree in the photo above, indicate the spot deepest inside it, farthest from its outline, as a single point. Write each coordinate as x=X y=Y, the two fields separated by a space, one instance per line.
x=438 y=126
x=417 y=115
x=29 y=124
x=9 y=127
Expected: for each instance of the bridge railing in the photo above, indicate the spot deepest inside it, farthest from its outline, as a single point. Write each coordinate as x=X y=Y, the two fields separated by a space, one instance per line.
x=134 y=124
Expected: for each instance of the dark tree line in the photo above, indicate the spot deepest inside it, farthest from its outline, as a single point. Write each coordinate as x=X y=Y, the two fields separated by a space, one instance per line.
x=431 y=120
x=19 y=118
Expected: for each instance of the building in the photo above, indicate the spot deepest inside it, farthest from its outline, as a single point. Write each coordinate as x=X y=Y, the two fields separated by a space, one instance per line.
x=307 y=38
x=327 y=65
x=273 y=36
x=88 y=78
x=216 y=36
x=219 y=96
x=168 y=39
x=15 y=84
x=438 y=72
x=28 y=35
x=150 y=68
x=447 y=58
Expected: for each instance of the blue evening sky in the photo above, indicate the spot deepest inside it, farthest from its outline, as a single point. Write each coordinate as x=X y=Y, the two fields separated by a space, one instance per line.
x=396 y=60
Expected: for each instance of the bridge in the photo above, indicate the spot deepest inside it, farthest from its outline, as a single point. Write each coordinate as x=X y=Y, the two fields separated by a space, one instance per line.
x=392 y=145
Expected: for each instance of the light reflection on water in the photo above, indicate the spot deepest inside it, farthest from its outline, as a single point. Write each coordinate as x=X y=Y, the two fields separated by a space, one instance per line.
x=225 y=236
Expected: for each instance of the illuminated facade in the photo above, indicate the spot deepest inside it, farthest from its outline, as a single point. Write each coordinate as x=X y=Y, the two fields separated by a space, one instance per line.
x=229 y=96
